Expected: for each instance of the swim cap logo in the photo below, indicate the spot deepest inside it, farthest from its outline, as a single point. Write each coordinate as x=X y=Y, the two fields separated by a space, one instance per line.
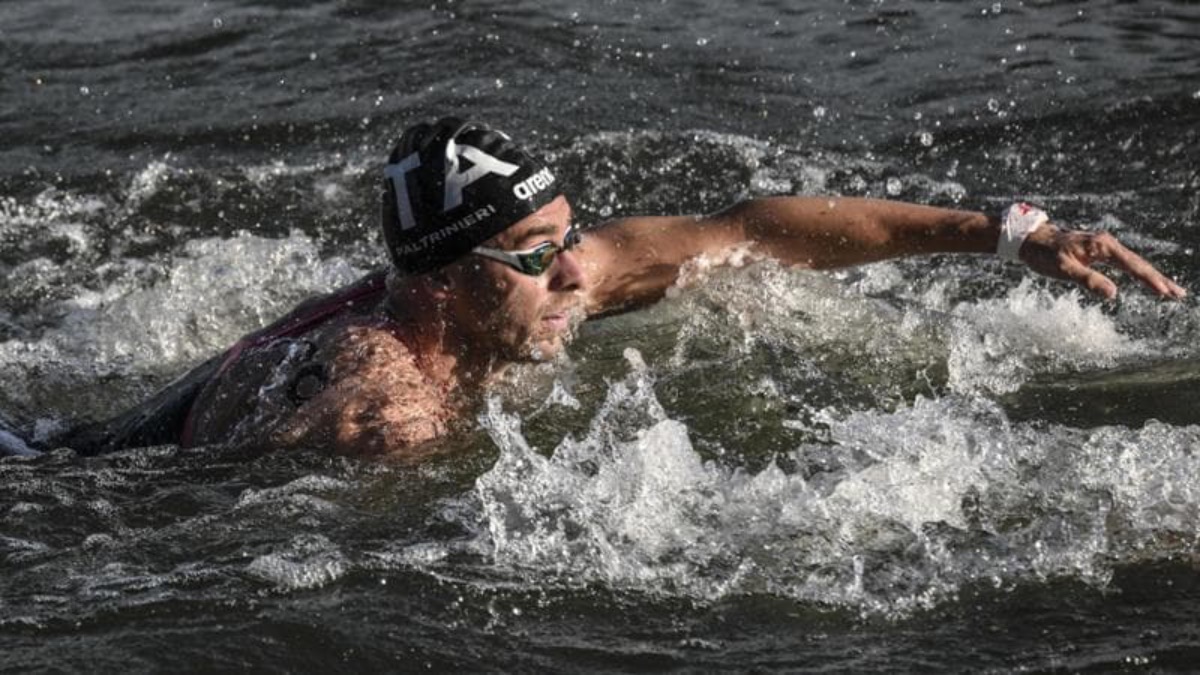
x=482 y=165
x=529 y=187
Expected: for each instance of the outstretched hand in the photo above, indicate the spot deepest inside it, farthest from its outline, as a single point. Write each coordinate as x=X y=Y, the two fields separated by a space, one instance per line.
x=1070 y=255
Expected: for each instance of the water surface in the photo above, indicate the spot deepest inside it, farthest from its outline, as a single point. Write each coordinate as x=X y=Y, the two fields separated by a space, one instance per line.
x=935 y=463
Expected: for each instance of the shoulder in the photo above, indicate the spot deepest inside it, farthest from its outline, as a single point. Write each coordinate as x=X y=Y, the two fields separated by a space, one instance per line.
x=376 y=399
x=354 y=345
x=352 y=387
x=630 y=262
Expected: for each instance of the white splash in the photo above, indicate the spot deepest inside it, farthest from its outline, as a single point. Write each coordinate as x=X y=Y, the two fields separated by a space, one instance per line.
x=996 y=344
x=217 y=291
x=921 y=502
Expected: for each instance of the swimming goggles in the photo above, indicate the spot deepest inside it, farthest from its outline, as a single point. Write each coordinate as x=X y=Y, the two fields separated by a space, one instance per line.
x=533 y=261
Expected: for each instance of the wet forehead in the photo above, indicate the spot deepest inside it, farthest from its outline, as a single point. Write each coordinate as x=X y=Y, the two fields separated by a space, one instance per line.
x=549 y=221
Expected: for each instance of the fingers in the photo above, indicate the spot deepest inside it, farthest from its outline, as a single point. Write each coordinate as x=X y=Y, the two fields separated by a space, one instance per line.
x=1143 y=271
x=1088 y=278
x=1069 y=254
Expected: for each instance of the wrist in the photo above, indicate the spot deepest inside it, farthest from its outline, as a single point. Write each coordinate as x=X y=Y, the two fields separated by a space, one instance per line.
x=1016 y=224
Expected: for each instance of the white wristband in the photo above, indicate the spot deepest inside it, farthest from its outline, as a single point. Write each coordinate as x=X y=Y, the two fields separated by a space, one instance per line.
x=1017 y=223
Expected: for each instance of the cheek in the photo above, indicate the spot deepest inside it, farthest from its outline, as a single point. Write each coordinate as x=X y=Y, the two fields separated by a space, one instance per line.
x=520 y=300
x=509 y=304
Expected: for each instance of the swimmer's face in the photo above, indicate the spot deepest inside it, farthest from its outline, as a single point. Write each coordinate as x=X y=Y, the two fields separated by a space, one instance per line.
x=517 y=316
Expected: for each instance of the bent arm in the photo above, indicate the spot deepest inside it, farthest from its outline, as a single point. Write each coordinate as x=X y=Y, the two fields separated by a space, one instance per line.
x=637 y=259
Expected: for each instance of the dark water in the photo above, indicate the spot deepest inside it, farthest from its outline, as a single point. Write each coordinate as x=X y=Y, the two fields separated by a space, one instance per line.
x=934 y=463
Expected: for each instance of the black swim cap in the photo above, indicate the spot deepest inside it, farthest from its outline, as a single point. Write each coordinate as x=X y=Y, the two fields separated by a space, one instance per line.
x=452 y=185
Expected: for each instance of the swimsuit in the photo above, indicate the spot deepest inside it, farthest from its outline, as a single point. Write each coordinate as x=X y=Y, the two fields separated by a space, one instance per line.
x=168 y=417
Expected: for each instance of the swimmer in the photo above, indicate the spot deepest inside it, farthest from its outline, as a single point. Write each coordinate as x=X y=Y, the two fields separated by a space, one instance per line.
x=489 y=269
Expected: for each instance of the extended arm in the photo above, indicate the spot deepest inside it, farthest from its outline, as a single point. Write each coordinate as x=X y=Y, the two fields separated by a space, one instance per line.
x=637 y=259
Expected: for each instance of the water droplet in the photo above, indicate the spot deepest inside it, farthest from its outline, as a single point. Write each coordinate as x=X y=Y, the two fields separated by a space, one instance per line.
x=819 y=112
x=312 y=56
x=926 y=138
x=217 y=22
x=1020 y=48
x=499 y=83
x=894 y=187
x=701 y=41
x=85 y=91
x=1195 y=95
x=997 y=8
x=854 y=54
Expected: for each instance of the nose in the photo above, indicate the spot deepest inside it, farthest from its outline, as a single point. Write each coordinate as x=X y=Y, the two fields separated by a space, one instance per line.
x=566 y=273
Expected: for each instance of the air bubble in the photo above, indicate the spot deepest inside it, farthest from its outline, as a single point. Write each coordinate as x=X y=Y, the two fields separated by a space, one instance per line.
x=894 y=187
x=926 y=138
x=217 y=22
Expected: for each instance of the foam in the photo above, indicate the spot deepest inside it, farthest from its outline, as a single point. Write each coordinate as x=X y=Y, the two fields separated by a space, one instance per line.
x=294 y=497
x=996 y=344
x=927 y=500
x=309 y=561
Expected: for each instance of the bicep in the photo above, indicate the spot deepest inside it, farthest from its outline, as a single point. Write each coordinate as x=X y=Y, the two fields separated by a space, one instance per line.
x=632 y=262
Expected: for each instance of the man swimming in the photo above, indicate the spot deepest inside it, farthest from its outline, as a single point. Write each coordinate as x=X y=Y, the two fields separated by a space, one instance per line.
x=489 y=269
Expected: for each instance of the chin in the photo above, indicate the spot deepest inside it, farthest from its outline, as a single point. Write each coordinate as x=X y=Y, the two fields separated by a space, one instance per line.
x=544 y=350
x=546 y=344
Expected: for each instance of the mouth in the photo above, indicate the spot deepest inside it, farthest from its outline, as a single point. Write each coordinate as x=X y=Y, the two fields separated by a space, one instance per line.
x=563 y=320
x=558 y=322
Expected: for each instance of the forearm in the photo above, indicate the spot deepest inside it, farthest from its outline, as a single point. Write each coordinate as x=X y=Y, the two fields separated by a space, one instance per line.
x=825 y=232
x=633 y=261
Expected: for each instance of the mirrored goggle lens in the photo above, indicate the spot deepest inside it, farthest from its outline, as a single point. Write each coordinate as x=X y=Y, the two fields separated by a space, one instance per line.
x=572 y=238
x=538 y=260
